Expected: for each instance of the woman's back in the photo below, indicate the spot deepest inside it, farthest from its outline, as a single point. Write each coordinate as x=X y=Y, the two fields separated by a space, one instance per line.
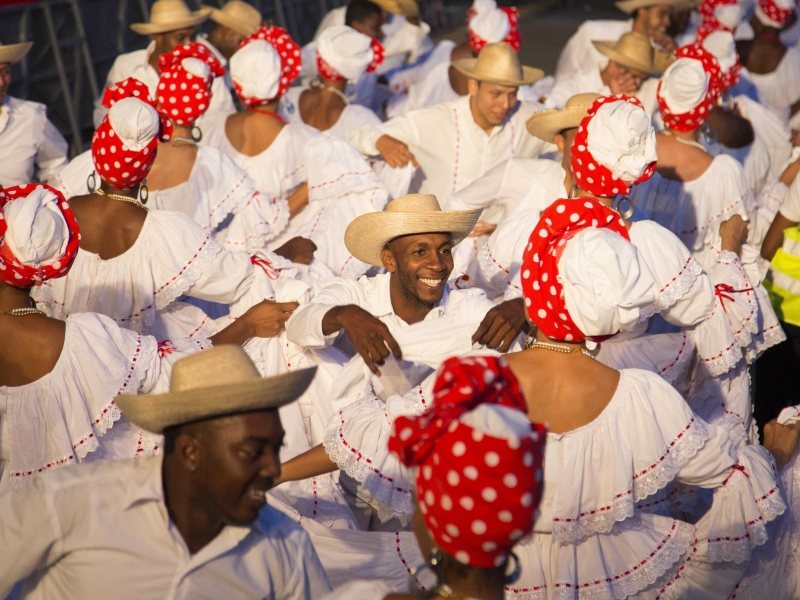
x=252 y=133
x=31 y=348
x=173 y=166
x=109 y=228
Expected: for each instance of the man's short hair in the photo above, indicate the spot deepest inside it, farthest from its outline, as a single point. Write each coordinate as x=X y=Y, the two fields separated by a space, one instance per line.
x=361 y=11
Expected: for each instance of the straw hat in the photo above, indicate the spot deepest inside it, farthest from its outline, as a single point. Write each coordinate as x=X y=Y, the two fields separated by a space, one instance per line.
x=498 y=63
x=630 y=6
x=170 y=15
x=545 y=124
x=412 y=214
x=239 y=16
x=405 y=8
x=13 y=53
x=632 y=50
x=216 y=382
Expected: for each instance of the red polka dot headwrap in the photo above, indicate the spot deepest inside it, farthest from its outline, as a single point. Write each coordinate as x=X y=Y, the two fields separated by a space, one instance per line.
x=344 y=54
x=477 y=490
x=712 y=10
x=775 y=12
x=275 y=77
x=589 y=172
x=542 y=286
x=123 y=158
x=694 y=118
x=721 y=45
x=13 y=269
x=184 y=89
x=477 y=41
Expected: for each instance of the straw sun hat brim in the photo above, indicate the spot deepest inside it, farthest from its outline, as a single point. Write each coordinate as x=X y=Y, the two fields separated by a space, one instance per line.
x=608 y=49
x=193 y=20
x=629 y=6
x=231 y=22
x=368 y=234
x=156 y=412
x=545 y=124
x=13 y=53
x=467 y=67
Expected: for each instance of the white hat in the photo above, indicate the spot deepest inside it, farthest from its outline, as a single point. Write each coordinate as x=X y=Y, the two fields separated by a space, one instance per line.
x=37 y=232
x=489 y=22
x=729 y=15
x=135 y=122
x=346 y=50
x=605 y=285
x=722 y=45
x=620 y=137
x=257 y=69
x=684 y=85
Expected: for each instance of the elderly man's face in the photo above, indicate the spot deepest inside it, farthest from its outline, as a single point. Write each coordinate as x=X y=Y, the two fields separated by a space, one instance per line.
x=5 y=80
x=167 y=42
x=493 y=101
x=422 y=263
x=237 y=461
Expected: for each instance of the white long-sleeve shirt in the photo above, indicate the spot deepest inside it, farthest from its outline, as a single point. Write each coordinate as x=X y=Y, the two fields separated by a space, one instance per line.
x=580 y=53
x=103 y=531
x=589 y=79
x=29 y=143
x=451 y=149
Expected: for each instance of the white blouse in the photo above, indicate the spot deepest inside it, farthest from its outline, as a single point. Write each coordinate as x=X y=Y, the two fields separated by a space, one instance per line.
x=780 y=89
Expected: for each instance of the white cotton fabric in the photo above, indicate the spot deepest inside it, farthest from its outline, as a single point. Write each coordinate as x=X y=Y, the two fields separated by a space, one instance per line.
x=780 y=89
x=257 y=69
x=622 y=139
x=722 y=45
x=346 y=50
x=135 y=122
x=684 y=85
x=489 y=23
x=195 y=66
x=605 y=285
x=729 y=15
x=37 y=231
x=501 y=422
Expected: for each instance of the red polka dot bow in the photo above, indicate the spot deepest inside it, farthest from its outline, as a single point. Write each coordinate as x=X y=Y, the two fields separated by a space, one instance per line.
x=541 y=283
x=291 y=61
x=182 y=94
x=477 y=493
x=331 y=74
x=12 y=271
x=118 y=163
x=691 y=120
x=477 y=43
x=589 y=174
x=774 y=12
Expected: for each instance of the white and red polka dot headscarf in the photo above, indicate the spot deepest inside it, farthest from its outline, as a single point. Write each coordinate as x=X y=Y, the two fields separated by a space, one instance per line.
x=721 y=44
x=717 y=15
x=265 y=65
x=774 y=13
x=614 y=147
x=488 y=24
x=344 y=54
x=124 y=146
x=689 y=88
x=38 y=235
x=479 y=460
x=184 y=89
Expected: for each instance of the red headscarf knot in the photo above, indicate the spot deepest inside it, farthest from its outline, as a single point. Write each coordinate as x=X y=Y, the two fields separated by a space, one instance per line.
x=184 y=92
x=694 y=118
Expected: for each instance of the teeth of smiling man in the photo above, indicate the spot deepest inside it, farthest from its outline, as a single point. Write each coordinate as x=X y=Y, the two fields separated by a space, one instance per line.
x=257 y=494
x=430 y=282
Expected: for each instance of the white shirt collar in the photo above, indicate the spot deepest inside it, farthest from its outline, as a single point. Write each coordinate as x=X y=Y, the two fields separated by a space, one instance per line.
x=463 y=107
x=383 y=299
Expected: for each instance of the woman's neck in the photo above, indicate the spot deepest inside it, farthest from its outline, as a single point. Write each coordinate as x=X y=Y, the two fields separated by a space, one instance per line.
x=181 y=133
x=110 y=189
x=482 y=584
x=266 y=107
x=337 y=85
x=693 y=135
x=12 y=298
x=541 y=337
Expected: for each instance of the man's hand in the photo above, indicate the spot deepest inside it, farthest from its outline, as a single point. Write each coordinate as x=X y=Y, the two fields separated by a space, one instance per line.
x=733 y=233
x=267 y=318
x=395 y=152
x=502 y=325
x=790 y=172
x=781 y=441
x=298 y=250
x=368 y=335
x=624 y=84
x=663 y=41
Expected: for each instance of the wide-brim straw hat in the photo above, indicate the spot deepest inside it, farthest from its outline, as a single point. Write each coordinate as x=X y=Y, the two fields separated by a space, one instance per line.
x=633 y=50
x=170 y=15
x=412 y=214
x=239 y=16
x=630 y=6
x=405 y=8
x=546 y=124
x=13 y=53
x=498 y=63
x=217 y=382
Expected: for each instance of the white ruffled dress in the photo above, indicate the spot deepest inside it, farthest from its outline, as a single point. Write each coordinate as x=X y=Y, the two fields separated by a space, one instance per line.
x=780 y=89
x=70 y=415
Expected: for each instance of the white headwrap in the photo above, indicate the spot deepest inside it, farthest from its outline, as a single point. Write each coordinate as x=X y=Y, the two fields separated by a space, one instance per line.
x=605 y=285
x=622 y=139
x=195 y=66
x=37 y=232
x=729 y=15
x=257 y=69
x=684 y=85
x=766 y=20
x=489 y=23
x=722 y=45
x=346 y=50
x=135 y=122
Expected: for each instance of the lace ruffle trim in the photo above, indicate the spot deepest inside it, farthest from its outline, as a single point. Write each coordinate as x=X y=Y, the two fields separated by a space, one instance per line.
x=494 y=272
x=675 y=289
x=182 y=281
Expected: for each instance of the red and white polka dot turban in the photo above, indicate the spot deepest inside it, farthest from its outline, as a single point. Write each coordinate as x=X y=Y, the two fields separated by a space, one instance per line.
x=265 y=65
x=615 y=147
x=581 y=276
x=480 y=460
x=487 y=24
x=184 y=89
x=722 y=15
x=689 y=88
x=345 y=54
x=774 y=13
x=722 y=45
x=38 y=235
x=124 y=146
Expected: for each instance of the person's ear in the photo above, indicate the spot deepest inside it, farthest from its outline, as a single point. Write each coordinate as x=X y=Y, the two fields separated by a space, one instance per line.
x=187 y=448
x=388 y=259
x=472 y=87
x=561 y=143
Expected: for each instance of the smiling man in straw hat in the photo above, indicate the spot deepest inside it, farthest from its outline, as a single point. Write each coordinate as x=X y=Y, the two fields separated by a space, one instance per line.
x=171 y=24
x=455 y=142
x=413 y=239
x=29 y=143
x=192 y=523
x=631 y=60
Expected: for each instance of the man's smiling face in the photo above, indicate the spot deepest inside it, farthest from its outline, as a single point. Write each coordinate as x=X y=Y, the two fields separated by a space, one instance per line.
x=423 y=263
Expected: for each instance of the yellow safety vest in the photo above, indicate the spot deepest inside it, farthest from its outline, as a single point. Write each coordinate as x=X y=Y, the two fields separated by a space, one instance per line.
x=783 y=281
